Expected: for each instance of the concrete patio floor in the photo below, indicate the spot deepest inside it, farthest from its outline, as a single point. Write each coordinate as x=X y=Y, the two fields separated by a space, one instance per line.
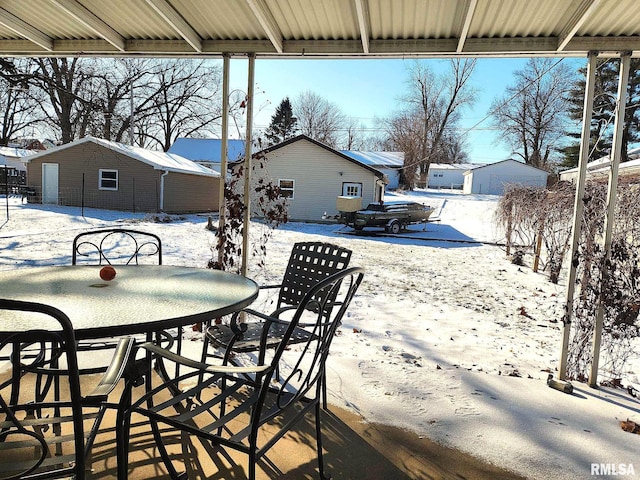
x=355 y=450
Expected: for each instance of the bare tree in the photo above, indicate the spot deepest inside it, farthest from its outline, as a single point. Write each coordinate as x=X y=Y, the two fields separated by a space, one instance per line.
x=67 y=85
x=113 y=108
x=354 y=136
x=533 y=114
x=318 y=118
x=423 y=128
x=183 y=100
x=18 y=103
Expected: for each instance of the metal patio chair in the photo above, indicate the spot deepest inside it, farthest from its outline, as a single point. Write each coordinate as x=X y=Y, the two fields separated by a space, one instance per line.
x=116 y=246
x=42 y=436
x=309 y=263
x=245 y=408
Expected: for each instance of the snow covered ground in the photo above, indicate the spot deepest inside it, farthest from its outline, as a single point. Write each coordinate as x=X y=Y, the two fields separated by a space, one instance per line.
x=446 y=337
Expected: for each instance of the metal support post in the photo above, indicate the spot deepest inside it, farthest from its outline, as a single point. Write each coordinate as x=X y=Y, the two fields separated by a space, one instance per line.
x=612 y=194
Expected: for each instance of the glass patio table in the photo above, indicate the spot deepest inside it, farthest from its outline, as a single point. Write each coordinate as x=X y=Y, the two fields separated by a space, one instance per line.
x=140 y=299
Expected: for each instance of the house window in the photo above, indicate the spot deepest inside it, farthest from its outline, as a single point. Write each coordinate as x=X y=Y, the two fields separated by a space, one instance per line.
x=352 y=189
x=108 y=180
x=286 y=188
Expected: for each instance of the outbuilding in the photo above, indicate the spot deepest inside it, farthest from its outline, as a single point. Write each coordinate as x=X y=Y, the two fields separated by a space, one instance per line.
x=389 y=163
x=313 y=175
x=448 y=175
x=492 y=178
x=600 y=167
x=206 y=151
x=97 y=173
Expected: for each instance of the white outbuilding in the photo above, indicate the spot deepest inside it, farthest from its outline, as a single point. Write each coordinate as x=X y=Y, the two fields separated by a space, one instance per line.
x=389 y=163
x=601 y=167
x=492 y=178
x=448 y=175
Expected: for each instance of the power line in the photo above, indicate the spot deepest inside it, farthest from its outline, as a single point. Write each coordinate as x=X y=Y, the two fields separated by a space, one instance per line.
x=516 y=94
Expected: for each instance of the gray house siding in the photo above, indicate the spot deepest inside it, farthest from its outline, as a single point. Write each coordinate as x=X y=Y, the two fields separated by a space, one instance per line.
x=139 y=185
x=78 y=178
x=190 y=193
x=493 y=178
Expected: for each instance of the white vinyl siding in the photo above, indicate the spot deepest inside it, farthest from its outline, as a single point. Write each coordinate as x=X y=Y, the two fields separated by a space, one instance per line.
x=319 y=176
x=492 y=179
x=287 y=188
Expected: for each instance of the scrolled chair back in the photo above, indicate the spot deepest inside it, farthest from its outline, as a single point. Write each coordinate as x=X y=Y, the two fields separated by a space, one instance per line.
x=116 y=246
x=40 y=437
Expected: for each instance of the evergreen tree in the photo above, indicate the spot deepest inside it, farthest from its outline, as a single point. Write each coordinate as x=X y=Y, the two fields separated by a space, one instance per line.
x=283 y=124
x=604 y=102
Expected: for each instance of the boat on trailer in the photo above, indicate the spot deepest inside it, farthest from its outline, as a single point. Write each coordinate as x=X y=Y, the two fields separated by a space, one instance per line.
x=394 y=217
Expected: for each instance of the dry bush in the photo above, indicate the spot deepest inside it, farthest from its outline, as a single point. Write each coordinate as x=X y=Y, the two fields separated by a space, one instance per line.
x=611 y=282
x=527 y=213
x=267 y=205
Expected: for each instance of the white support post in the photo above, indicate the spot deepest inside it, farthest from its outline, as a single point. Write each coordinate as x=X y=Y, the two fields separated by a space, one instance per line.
x=247 y=165
x=578 y=208
x=224 y=148
x=612 y=194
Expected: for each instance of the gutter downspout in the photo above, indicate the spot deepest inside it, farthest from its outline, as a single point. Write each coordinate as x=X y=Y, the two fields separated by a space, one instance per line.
x=166 y=172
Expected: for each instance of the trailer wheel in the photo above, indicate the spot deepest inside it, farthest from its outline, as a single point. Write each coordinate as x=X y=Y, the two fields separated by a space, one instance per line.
x=394 y=227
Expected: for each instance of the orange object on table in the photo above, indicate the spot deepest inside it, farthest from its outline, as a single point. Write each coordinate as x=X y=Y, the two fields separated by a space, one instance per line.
x=107 y=273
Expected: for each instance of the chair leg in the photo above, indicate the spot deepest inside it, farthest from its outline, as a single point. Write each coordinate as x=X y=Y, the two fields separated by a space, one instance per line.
x=157 y=435
x=324 y=390
x=123 y=426
x=323 y=475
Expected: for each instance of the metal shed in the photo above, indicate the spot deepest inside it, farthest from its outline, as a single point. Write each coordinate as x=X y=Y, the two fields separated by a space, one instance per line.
x=492 y=179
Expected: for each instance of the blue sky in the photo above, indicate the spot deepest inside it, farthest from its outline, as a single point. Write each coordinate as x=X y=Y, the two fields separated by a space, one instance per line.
x=366 y=89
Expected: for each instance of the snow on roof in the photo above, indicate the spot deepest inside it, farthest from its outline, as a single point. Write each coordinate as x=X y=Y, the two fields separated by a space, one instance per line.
x=377 y=159
x=603 y=162
x=206 y=149
x=454 y=166
x=157 y=159
x=508 y=160
x=13 y=152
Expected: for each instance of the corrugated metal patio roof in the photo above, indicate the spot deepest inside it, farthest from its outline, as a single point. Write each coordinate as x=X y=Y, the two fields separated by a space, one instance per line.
x=329 y=28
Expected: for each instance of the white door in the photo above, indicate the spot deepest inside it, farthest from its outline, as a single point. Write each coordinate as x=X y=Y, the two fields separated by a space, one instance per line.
x=50 y=183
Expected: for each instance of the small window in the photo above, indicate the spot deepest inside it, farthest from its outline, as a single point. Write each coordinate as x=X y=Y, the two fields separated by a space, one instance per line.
x=286 y=188
x=108 y=180
x=352 y=189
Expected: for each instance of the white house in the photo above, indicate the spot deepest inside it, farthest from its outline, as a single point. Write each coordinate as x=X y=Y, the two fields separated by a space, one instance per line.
x=206 y=151
x=389 y=163
x=313 y=175
x=492 y=178
x=448 y=175
x=601 y=166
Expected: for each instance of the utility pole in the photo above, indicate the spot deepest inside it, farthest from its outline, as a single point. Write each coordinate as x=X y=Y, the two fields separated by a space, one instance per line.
x=131 y=138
